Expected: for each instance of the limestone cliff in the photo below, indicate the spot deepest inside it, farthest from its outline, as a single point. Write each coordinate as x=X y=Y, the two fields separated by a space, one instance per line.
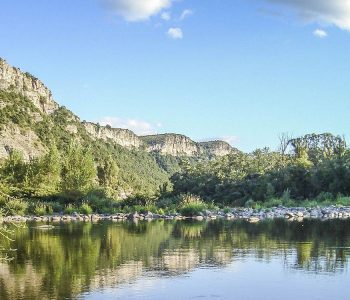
x=180 y=145
x=215 y=148
x=122 y=137
x=26 y=141
x=27 y=102
x=14 y=79
x=171 y=144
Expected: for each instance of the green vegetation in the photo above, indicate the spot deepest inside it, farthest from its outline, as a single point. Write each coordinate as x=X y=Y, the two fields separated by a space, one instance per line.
x=316 y=168
x=191 y=205
x=80 y=173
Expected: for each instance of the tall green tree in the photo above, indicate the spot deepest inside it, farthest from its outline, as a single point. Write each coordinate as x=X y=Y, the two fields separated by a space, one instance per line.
x=78 y=172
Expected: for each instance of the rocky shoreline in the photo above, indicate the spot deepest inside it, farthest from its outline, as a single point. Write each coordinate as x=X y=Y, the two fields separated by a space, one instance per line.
x=248 y=214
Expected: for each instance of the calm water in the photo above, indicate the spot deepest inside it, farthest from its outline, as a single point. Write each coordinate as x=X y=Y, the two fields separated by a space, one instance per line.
x=180 y=260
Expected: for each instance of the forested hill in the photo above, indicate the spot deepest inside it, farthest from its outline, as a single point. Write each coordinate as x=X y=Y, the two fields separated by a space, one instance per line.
x=33 y=124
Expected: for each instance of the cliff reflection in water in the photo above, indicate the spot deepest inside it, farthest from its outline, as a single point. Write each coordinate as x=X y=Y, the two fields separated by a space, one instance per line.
x=76 y=258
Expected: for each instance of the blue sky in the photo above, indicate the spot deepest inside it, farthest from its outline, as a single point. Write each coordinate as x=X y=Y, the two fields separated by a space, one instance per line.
x=240 y=70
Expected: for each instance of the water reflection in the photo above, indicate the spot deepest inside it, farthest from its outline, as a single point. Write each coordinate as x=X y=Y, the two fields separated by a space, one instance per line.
x=73 y=258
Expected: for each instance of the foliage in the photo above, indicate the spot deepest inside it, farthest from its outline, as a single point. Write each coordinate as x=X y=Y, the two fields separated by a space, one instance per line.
x=16 y=207
x=320 y=170
x=191 y=205
x=78 y=172
x=85 y=209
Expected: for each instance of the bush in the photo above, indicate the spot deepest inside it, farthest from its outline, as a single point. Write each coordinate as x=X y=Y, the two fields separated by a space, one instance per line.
x=226 y=210
x=343 y=201
x=100 y=203
x=274 y=202
x=191 y=205
x=69 y=209
x=56 y=207
x=193 y=209
x=168 y=202
x=324 y=196
x=39 y=209
x=249 y=203
x=85 y=209
x=16 y=207
x=160 y=211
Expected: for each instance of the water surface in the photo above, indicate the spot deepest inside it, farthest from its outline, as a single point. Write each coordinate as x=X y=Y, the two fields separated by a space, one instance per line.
x=180 y=260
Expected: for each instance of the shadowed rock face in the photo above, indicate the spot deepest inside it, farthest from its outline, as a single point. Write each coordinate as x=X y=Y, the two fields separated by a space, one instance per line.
x=27 y=141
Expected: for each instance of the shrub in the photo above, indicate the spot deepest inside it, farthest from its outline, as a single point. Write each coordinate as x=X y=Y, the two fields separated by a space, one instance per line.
x=226 y=210
x=273 y=202
x=69 y=209
x=101 y=204
x=167 y=202
x=56 y=207
x=85 y=209
x=40 y=209
x=191 y=205
x=193 y=209
x=324 y=196
x=160 y=211
x=343 y=201
x=249 y=203
x=16 y=207
x=286 y=196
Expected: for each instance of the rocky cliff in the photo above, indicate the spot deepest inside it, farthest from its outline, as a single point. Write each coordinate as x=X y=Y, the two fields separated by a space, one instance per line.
x=122 y=137
x=171 y=144
x=14 y=79
x=216 y=148
x=26 y=101
x=180 y=145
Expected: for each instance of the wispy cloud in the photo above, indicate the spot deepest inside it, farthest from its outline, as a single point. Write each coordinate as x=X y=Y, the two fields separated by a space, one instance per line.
x=231 y=139
x=166 y=16
x=137 y=10
x=138 y=126
x=175 y=33
x=330 y=12
x=185 y=14
x=320 y=33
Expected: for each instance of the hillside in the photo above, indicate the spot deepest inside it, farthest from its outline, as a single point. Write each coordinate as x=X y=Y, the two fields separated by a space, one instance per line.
x=31 y=121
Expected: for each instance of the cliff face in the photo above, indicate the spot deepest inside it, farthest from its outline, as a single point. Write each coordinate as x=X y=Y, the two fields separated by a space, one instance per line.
x=216 y=148
x=122 y=137
x=171 y=144
x=26 y=141
x=38 y=104
x=14 y=79
x=180 y=145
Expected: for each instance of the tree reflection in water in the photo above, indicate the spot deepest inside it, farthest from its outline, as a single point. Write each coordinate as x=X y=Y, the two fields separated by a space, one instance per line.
x=80 y=257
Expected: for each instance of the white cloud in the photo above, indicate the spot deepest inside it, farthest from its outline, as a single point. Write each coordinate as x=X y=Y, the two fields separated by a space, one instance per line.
x=138 y=126
x=175 y=33
x=331 y=12
x=138 y=10
x=166 y=16
x=320 y=33
x=186 y=13
x=231 y=139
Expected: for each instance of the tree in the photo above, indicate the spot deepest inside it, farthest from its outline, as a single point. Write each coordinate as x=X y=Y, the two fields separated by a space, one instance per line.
x=107 y=173
x=14 y=169
x=78 y=172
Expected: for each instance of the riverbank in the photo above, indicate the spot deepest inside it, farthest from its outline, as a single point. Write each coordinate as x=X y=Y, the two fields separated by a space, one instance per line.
x=248 y=214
